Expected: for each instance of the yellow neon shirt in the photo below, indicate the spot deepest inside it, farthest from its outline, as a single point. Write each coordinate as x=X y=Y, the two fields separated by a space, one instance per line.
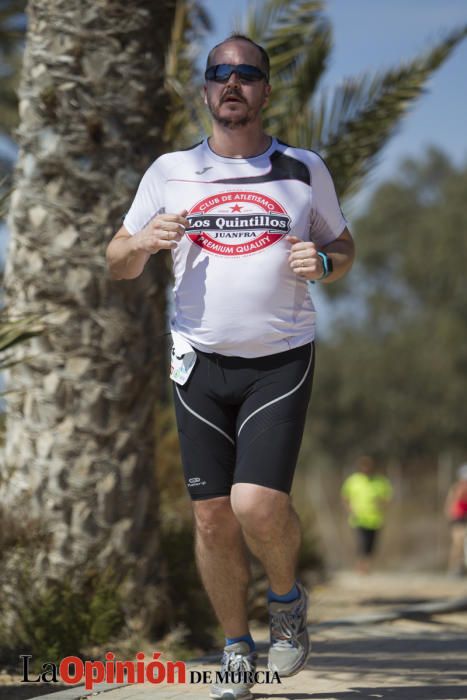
x=365 y=495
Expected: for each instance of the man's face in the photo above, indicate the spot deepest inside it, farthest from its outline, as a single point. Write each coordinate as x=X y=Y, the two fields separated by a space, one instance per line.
x=235 y=104
x=366 y=465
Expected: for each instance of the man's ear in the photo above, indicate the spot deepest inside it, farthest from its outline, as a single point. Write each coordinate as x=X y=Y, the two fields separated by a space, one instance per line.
x=205 y=94
x=267 y=92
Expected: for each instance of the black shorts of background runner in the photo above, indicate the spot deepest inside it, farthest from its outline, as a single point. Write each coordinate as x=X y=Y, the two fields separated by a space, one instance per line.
x=242 y=420
x=366 y=540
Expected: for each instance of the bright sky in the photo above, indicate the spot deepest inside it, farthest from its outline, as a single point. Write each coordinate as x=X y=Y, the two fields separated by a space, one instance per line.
x=371 y=35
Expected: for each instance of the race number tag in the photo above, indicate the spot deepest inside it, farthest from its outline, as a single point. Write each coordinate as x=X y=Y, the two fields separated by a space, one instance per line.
x=182 y=359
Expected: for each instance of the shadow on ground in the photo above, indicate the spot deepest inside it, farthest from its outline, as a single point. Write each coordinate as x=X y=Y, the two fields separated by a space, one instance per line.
x=400 y=600
x=24 y=691
x=399 y=692
x=401 y=667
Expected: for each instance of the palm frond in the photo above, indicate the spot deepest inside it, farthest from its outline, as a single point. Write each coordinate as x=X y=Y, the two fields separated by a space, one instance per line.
x=9 y=99
x=187 y=118
x=351 y=127
x=287 y=29
x=261 y=17
x=348 y=126
x=15 y=330
x=292 y=94
x=191 y=21
x=10 y=33
x=11 y=43
x=298 y=38
x=5 y=192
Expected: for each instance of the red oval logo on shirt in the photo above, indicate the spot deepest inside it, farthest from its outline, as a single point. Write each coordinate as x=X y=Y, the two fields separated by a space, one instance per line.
x=237 y=223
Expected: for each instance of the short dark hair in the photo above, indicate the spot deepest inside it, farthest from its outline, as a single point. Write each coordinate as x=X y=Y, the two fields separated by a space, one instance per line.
x=242 y=37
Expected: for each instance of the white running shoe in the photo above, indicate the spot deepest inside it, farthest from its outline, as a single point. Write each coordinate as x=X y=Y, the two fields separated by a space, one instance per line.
x=238 y=667
x=290 y=642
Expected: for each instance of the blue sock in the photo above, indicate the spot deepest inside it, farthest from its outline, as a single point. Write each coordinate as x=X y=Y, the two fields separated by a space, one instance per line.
x=245 y=638
x=293 y=594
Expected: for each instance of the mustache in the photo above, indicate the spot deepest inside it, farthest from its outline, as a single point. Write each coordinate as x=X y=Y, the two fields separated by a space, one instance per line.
x=232 y=93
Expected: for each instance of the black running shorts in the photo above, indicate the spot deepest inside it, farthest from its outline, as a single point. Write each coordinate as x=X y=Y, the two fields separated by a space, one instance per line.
x=242 y=419
x=366 y=541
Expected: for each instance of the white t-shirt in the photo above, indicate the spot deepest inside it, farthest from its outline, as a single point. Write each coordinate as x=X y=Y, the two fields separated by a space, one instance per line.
x=234 y=291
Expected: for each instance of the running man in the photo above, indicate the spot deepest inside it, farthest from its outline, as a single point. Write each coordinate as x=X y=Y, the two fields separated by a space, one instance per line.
x=249 y=221
x=366 y=495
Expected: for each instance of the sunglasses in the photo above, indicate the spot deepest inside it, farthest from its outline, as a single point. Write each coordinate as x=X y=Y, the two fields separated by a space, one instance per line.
x=247 y=74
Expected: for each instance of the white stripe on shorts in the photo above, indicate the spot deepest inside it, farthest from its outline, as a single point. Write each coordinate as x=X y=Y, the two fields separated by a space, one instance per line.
x=219 y=430
x=279 y=398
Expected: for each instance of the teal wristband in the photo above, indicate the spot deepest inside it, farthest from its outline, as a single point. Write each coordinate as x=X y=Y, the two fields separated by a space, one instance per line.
x=327 y=267
x=325 y=261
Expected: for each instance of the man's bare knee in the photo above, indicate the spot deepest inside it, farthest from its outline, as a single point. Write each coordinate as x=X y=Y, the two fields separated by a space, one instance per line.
x=215 y=521
x=262 y=512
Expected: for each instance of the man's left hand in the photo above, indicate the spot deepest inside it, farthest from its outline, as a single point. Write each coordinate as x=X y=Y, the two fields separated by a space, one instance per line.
x=304 y=259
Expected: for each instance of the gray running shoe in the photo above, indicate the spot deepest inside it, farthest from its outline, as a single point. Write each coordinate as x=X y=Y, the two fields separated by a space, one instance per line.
x=238 y=667
x=290 y=643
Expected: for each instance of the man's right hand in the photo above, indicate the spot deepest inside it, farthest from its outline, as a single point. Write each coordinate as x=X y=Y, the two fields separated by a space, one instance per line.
x=163 y=232
x=127 y=255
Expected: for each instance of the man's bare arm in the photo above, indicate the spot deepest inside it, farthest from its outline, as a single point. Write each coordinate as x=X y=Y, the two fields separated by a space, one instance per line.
x=127 y=255
x=342 y=253
x=305 y=261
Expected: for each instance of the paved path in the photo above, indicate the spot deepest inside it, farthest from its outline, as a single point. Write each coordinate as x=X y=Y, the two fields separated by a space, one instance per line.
x=411 y=655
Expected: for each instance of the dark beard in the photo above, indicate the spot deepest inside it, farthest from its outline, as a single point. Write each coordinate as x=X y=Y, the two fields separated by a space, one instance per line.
x=230 y=123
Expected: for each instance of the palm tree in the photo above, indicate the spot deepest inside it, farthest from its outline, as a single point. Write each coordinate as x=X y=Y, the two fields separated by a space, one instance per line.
x=79 y=430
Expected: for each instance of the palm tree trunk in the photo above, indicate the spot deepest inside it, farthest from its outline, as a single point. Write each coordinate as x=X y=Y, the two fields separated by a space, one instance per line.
x=79 y=450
